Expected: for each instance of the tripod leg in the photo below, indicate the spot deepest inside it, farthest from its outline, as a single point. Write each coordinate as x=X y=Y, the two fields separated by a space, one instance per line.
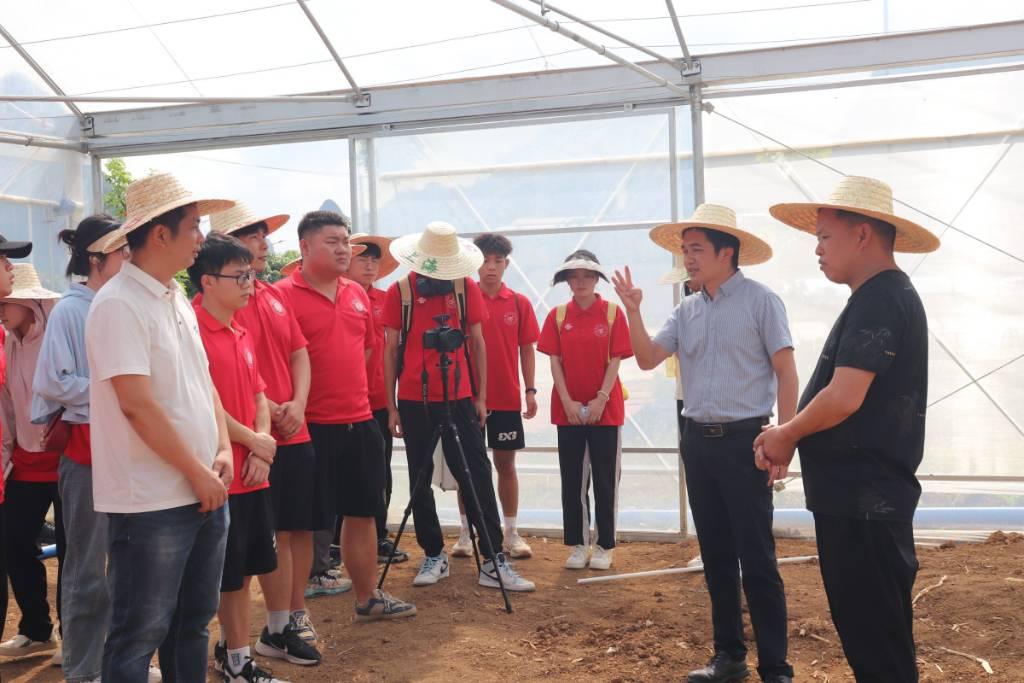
x=473 y=499
x=422 y=479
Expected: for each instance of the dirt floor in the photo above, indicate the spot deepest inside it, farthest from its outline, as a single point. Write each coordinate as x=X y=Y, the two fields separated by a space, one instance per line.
x=649 y=629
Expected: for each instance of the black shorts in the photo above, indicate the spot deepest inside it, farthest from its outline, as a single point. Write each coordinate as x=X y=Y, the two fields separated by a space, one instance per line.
x=352 y=466
x=292 y=478
x=251 y=548
x=505 y=430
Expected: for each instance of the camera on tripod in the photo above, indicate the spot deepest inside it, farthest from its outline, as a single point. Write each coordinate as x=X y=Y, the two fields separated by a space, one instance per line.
x=443 y=338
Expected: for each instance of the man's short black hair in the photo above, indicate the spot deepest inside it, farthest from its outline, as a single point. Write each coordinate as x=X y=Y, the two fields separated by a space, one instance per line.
x=172 y=219
x=251 y=230
x=314 y=221
x=493 y=244
x=885 y=231
x=720 y=240
x=78 y=241
x=217 y=251
x=372 y=250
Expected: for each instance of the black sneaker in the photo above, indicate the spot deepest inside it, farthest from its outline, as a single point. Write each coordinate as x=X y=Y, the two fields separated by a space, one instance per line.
x=288 y=646
x=335 y=554
x=220 y=656
x=384 y=548
x=250 y=673
x=721 y=669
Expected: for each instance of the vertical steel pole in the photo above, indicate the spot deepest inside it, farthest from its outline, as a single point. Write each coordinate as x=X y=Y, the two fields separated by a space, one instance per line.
x=371 y=184
x=353 y=185
x=96 y=170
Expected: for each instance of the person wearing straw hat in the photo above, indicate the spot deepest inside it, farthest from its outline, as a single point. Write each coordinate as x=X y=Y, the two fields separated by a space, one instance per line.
x=373 y=264
x=510 y=333
x=283 y=360
x=735 y=355
x=334 y=315
x=161 y=452
x=861 y=424
x=586 y=341
x=290 y=267
x=8 y=250
x=32 y=477
x=441 y=283
x=60 y=398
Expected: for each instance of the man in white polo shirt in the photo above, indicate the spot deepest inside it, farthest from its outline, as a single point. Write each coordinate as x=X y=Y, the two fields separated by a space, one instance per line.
x=161 y=453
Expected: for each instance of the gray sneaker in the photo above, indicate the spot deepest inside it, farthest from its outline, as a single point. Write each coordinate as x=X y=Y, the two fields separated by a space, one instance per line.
x=384 y=606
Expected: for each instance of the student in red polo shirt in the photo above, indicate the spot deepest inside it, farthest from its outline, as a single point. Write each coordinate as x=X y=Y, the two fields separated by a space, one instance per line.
x=437 y=258
x=60 y=389
x=373 y=264
x=587 y=406
x=284 y=366
x=510 y=332
x=32 y=482
x=223 y=274
x=335 y=316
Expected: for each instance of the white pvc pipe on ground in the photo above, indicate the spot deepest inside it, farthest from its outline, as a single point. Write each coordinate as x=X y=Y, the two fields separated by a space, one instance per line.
x=682 y=570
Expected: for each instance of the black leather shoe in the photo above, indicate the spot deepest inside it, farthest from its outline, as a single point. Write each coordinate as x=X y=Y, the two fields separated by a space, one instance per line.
x=721 y=669
x=778 y=678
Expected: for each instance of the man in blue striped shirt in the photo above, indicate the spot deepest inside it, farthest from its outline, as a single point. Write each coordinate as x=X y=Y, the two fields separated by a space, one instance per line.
x=735 y=357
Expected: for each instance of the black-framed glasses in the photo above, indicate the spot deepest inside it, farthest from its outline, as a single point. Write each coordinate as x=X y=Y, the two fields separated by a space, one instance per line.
x=241 y=280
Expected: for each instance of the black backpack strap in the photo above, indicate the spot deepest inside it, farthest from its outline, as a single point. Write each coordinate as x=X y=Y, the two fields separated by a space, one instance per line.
x=460 y=299
x=405 y=289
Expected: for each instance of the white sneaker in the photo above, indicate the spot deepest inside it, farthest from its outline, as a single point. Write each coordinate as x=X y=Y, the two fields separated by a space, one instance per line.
x=601 y=559
x=154 y=675
x=20 y=645
x=579 y=557
x=432 y=570
x=510 y=578
x=464 y=546
x=327 y=584
x=518 y=549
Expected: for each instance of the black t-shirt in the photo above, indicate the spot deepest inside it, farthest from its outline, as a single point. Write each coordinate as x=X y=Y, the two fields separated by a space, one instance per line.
x=865 y=466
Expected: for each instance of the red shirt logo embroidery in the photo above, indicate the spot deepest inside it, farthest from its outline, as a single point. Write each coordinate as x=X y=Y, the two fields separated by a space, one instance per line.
x=276 y=306
x=510 y=318
x=358 y=305
x=250 y=361
x=600 y=330
x=378 y=311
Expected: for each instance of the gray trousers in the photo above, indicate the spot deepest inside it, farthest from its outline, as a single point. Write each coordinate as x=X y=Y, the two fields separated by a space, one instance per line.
x=85 y=600
x=322 y=540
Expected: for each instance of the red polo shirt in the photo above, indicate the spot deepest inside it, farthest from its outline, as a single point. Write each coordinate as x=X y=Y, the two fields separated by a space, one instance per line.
x=510 y=325
x=79 y=448
x=423 y=312
x=375 y=367
x=34 y=466
x=236 y=377
x=339 y=333
x=586 y=334
x=275 y=335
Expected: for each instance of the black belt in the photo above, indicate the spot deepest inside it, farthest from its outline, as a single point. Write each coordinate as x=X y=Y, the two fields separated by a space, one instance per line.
x=720 y=429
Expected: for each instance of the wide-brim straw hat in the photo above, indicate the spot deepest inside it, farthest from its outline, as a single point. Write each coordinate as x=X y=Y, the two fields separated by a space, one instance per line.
x=157 y=194
x=27 y=285
x=240 y=216
x=388 y=263
x=867 y=197
x=438 y=252
x=676 y=276
x=753 y=249
x=291 y=267
x=578 y=264
x=110 y=242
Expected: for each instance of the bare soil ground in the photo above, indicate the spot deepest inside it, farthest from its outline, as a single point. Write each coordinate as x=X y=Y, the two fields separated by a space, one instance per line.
x=649 y=629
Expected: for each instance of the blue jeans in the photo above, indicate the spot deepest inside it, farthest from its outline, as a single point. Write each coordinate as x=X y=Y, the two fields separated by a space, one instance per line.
x=164 y=577
x=85 y=601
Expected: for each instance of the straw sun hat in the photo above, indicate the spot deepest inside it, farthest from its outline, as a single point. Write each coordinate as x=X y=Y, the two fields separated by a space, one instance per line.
x=388 y=263
x=753 y=249
x=162 y=192
x=867 y=197
x=27 y=285
x=438 y=252
x=291 y=267
x=240 y=216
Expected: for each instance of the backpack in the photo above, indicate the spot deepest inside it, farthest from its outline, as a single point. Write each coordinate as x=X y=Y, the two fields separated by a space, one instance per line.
x=405 y=289
x=612 y=309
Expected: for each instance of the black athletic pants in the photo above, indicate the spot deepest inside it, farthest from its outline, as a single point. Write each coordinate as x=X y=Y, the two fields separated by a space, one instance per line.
x=381 y=416
x=588 y=452
x=869 y=567
x=732 y=510
x=25 y=507
x=418 y=426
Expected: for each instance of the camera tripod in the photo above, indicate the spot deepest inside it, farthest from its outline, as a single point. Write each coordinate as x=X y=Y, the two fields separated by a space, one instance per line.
x=447 y=425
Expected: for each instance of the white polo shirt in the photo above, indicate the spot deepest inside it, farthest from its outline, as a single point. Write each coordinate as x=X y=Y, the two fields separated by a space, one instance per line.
x=139 y=326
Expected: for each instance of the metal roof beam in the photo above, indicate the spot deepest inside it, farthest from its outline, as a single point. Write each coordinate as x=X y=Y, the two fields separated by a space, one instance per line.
x=361 y=99
x=41 y=72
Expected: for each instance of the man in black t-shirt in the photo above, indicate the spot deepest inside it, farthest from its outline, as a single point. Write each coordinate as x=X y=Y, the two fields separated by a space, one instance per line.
x=860 y=426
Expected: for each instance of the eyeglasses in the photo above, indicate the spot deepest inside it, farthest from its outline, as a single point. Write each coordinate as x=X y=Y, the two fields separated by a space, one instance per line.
x=242 y=280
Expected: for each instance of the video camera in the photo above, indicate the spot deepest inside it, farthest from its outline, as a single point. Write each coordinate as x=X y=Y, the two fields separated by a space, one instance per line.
x=443 y=338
